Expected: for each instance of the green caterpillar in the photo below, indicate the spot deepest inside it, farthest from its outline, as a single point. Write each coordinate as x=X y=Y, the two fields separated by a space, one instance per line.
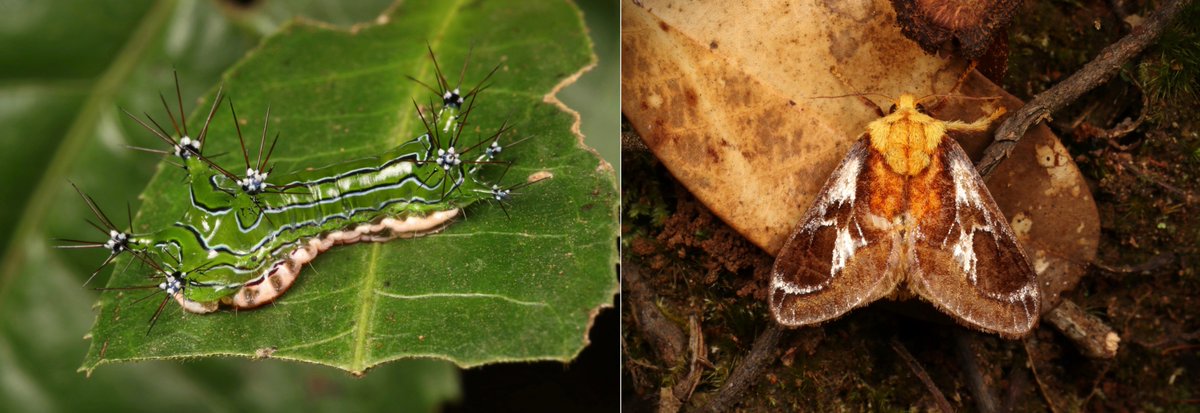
x=245 y=238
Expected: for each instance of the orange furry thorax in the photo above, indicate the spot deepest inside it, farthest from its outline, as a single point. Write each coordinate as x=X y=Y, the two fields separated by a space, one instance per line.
x=906 y=137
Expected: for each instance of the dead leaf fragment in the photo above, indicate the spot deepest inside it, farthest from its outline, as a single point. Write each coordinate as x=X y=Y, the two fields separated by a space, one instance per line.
x=729 y=96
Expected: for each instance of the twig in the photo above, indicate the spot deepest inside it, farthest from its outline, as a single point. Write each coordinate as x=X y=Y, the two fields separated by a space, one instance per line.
x=764 y=349
x=1181 y=347
x=1092 y=336
x=682 y=391
x=1093 y=74
x=1018 y=382
x=664 y=337
x=1182 y=195
x=915 y=366
x=964 y=347
x=1150 y=265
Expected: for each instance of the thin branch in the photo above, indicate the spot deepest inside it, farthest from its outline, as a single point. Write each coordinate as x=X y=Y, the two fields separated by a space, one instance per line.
x=964 y=346
x=1178 y=193
x=915 y=366
x=748 y=371
x=1093 y=74
x=664 y=337
x=1094 y=338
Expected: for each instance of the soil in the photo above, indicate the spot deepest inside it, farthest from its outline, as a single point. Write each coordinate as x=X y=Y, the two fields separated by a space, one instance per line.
x=1144 y=284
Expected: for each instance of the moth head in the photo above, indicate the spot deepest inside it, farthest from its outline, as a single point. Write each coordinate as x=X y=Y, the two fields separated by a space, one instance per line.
x=907 y=101
x=907 y=106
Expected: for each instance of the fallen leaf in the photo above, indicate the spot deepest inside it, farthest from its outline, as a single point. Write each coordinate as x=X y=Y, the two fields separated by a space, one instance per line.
x=745 y=104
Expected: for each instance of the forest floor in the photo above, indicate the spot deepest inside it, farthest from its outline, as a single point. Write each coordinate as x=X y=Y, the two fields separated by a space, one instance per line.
x=703 y=277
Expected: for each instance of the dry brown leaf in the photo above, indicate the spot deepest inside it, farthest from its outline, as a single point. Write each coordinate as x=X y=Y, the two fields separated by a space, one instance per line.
x=726 y=94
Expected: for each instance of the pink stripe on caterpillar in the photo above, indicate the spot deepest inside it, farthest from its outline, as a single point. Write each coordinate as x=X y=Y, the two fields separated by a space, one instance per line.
x=194 y=306
x=281 y=276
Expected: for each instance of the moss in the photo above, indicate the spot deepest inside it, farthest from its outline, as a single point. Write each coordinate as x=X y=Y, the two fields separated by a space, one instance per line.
x=1170 y=72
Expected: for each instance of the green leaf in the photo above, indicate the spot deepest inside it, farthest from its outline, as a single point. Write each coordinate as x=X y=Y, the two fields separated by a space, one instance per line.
x=68 y=66
x=491 y=288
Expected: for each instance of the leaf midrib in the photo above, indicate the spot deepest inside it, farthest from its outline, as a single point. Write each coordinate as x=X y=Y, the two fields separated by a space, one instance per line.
x=435 y=43
x=367 y=297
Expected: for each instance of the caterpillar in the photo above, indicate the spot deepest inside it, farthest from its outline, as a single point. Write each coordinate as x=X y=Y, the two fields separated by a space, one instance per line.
x=245 y=237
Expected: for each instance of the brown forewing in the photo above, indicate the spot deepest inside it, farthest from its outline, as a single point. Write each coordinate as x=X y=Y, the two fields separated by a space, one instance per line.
x=817 y=276
x=965 y=259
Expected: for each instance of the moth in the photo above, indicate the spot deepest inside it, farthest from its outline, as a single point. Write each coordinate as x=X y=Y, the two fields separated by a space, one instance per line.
x=245 y=238
x=906 y=213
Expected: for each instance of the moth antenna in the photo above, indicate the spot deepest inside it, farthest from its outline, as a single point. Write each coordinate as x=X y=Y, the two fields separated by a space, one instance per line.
x=979 y=125
x=211 y=111
x=179 y=98
x=856 y=94
x=963 y=77
x=953 y=93
x=957 y=97
x=862 y=97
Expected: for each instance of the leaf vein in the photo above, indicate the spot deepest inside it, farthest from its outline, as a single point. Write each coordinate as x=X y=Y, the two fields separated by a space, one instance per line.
x=463 y=295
